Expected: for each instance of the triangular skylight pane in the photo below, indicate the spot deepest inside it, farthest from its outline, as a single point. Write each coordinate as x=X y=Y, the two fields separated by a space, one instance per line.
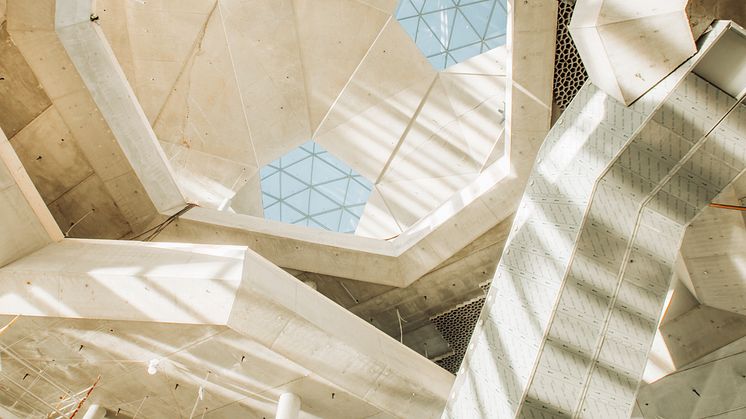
x=272 y=211
x=410 y=26
x=267 y=170
x=293 y=156
x=356 y=194
x=406 y=9
x=323 y=172
x=330 y=220
x=312 y=183
x=438 y=61
x=478 y=14
x=417 y=4
x=289 y=185
x=357 y=210
x=321 y=203
x=337 y=190
x=268 y=201
x=271 y=185
x=299 y=169
x=446 y=25
x=289 y=214
x=299 y=201
x=427 y=41
x=308 y=147
x=348 y=222
x=498 y=23
x=463 y=34
x=441 y=24
x=467 y=52
x=434 y=5
x=495 y=42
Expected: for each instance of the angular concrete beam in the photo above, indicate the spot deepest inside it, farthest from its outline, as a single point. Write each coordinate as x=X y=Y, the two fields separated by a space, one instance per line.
x=489 y=200
x=25 y=222
x=33 y=30
x=575 y=302
x=88 y=49
x=231 y=286
x=629 y=46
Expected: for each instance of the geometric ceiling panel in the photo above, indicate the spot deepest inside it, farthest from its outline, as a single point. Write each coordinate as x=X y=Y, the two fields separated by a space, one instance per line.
x=450 y=31
x=310 y=187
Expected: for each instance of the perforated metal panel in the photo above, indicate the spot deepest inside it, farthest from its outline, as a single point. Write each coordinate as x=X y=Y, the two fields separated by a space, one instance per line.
x=569 y=71
x=456 y=326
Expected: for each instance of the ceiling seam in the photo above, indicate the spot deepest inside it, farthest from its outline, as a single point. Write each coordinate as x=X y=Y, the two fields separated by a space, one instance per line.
x=307 y=97
x=352 y=76
x=235 y=79
x=193 y=52
x=406 y=130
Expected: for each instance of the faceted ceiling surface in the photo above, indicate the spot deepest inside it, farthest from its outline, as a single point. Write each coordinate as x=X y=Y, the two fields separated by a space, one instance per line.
x=226 y=98
x=310 y=187
x=451 y=31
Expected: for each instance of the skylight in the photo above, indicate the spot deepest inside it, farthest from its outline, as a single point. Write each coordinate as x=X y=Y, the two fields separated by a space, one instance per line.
x=310 y=187
x=451 y=31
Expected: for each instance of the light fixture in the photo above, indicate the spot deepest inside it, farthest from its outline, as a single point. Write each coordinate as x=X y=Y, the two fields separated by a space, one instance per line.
x=153 y=366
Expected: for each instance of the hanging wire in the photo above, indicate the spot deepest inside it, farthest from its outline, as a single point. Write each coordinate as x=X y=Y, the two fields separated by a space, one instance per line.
x=401 y=330
x=155 y=231
x=200 y=395
x=75 y=224
x=140 y=407
x=349 y=293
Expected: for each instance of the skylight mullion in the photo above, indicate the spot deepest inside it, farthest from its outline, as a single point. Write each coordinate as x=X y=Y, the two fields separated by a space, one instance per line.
x=321 y=194
x=344 y=202
x=489 y=19
x=310 y=182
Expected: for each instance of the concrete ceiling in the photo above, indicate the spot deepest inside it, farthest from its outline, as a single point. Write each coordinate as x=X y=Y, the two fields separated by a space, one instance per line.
x=229 y=97
x=223 y=93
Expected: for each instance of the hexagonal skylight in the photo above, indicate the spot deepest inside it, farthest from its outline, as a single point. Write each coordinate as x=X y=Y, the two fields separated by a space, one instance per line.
x=310 y=187
x=451 y=31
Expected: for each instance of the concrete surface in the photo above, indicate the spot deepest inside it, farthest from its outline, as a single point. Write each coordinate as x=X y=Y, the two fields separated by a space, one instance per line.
x=227 y=286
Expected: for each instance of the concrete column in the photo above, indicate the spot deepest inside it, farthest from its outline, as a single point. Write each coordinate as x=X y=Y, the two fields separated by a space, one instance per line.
x=288 y=407
x=95 y=412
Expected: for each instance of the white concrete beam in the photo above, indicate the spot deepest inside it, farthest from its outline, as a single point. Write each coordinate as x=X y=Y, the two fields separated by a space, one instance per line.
x=225 y=285
x=576 y=299
x=97 y=66
x=25 y=222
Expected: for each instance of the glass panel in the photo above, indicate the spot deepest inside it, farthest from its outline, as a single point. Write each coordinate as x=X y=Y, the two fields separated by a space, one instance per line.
x=440 y=24
x=348 y=222
x=466 y=52
x=498 y=23
x=439 y=27
x=308 y=186
x=463 y=34
x=406 y=9
x=478 y=14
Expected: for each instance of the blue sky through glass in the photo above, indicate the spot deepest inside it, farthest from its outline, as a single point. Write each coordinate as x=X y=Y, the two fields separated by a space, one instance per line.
x=451 y=31
x=310 y=187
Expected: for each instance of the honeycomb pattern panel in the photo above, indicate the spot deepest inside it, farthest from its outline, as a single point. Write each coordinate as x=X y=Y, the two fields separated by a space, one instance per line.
x=456 y=326
x=569 y=71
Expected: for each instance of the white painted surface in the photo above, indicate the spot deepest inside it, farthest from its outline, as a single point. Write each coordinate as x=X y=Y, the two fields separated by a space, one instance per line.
x=288 y=407
x=628 y=47
x=94 y=411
